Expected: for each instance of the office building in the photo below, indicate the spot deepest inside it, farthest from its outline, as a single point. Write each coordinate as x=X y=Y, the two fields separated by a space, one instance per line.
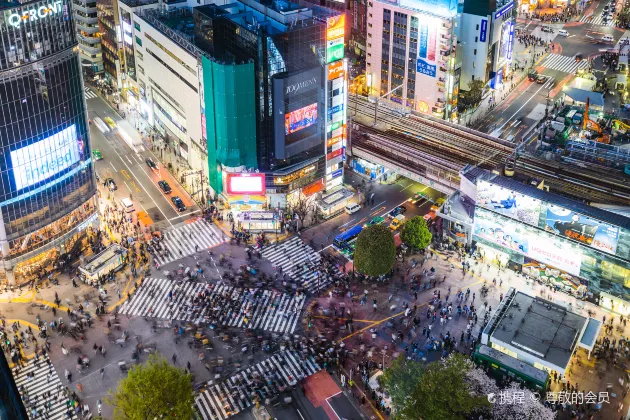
x=88 y=35
x=239 y=91
x=411 y=49
x=47 y=185
x=486 y=36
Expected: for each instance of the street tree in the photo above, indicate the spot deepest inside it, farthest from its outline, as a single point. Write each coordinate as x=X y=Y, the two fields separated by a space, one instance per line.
x=415 y=233
x=375 y=251
x=471 y=98
x=442 y=392
x=510 y=403
x=154 y=389
x=400 y=380
x=299 y=205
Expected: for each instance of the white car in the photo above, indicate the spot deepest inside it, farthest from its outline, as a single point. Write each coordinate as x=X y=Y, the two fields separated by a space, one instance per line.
x=562 y=32
x=352 y=208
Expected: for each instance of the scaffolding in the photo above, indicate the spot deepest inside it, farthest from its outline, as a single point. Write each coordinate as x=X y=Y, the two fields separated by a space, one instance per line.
x=600 y=153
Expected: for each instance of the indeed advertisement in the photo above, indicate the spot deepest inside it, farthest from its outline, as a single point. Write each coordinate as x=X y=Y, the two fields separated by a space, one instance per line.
x=529 y=241
x=583 y=229
x=45 y=158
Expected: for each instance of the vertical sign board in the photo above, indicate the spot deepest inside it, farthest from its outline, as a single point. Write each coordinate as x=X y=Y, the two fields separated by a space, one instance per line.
x=336 y=100
x=483 y=31
x=426 y=51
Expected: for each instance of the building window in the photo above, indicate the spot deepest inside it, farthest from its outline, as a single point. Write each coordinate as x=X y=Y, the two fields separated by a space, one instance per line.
x=474 y=66
x=477 y=27
x=138 y=41
x=475 y=51
x=369 y=35
x=136 y=25
x=476 y=39
x=369 y=25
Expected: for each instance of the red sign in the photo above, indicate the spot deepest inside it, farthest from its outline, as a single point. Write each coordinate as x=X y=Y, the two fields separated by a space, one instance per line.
x=334 y=154
x=253 y=184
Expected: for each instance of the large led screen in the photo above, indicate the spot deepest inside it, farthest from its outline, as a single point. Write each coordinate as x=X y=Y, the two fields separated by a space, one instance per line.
x=253 y=184
x=527 y=240
x=300 y=118
x=591 y=232
x=509 y=203
x=45 y=158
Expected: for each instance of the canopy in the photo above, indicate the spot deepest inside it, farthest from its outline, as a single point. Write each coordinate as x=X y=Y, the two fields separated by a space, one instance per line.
x=596 y=99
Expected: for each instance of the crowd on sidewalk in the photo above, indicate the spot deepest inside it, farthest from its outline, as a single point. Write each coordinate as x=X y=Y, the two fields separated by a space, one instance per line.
x=563 y=15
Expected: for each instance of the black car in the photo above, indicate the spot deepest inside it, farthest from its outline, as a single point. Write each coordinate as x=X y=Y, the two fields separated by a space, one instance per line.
x=164 y=187
x=178 y=203
x=110 y=184
x=151 y=164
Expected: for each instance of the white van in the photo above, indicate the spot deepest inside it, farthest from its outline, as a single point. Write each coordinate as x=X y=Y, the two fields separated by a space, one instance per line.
x=352 y=208
x=127 y=204
x=562 y=32
x=608 y=38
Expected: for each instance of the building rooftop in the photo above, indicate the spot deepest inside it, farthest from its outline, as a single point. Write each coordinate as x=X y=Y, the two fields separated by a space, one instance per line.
x=475 y=174
x=541 y=328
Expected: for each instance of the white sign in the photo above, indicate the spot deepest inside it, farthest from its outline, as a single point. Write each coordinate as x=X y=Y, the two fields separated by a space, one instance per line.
x=34 y=14
x=45 y=158
x=555 y=254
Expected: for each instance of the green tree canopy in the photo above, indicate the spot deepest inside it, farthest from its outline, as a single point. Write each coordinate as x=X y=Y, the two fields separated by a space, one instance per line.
x=154 y=389
x=400 y=380
x=472 y=97
x=441 y=392
x=375 y=252
x=415 y=233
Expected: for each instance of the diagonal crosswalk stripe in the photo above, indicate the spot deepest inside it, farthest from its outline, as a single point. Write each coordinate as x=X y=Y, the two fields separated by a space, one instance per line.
x=299 y=261
x=216 y=303
x=89 y=94
x=563 y=63
x=598 y=20
x=234 y=395
x=41 y=390
x=181 y=241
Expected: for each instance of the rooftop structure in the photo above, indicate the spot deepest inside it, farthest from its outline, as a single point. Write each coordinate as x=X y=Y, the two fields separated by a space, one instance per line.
x=535 y=330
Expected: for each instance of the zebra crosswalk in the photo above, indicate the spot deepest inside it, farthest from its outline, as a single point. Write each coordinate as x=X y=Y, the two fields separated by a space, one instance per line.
x=299 y=261
x=89 y=94
x=232 y=396
x=36 y=379
x=563 y=63
x=598 y=20
x=181 y=241
x=221 y=304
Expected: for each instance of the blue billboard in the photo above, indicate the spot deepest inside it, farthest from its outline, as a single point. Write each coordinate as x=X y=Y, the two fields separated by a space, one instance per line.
x=483 y=31
x=425 y=68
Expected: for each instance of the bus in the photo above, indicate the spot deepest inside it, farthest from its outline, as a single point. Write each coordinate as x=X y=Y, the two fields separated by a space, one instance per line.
x=343 y=240
x=504 y=365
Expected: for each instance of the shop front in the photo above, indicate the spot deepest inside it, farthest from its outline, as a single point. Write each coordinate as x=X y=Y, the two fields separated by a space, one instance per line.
x=259 y=221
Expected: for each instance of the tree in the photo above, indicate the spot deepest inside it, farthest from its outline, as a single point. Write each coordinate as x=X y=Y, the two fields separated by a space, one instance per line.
x=375 y=252
x=443 y=392
x=415 y=233
x=154 y=389
x=511 y=403
x=400 y=379
x=472 y=97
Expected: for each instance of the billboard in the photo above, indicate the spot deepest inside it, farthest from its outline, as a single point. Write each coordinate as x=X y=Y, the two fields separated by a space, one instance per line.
x=583 y=229
x=427 y=39
x=335 y=27
x=508 y=203
x=444 y=8
x=300 y=118
x=45 y=158
x=246 y=183
x=529 y=241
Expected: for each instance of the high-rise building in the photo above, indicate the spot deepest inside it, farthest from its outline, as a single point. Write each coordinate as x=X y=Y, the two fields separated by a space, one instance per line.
x=47 y=185
x=109 y=28
x=411 y=48
x=486 y=36
x=240 y=89
x=88 y=35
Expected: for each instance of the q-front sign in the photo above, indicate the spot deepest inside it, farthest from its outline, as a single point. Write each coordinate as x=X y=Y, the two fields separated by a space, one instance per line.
x=30 y=15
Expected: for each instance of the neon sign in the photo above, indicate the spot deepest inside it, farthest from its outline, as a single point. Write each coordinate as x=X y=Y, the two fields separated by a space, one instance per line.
x=31 y=15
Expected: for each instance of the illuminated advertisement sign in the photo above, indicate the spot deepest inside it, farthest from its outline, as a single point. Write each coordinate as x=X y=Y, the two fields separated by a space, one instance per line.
x=300 y=118
x=504 y=10
x=504 y=50
x=444 y=8
x=335 y=27
x=31 y=15
x=425 y=68
x=334 y=51
x=282 y=180
x=508 y=203
x=426 y=52
x=251 y=184
x=334 y=154
x=529 y=241
x=583 y=229
x=335 y=70
x=45 y=158
x=483 y=32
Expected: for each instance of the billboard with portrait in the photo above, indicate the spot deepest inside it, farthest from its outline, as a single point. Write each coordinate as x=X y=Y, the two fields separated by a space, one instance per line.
x=507 y=234
x=509 y=203
x=300 y=118
x=583 y=229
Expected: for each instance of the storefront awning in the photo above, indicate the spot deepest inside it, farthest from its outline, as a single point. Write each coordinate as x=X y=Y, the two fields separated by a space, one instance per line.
x=591 y=332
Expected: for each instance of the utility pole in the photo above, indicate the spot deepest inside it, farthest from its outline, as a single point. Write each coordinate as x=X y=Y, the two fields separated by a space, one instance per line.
x=377 y=98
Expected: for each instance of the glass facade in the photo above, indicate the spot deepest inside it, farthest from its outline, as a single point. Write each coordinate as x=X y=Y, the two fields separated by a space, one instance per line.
x=47 y=186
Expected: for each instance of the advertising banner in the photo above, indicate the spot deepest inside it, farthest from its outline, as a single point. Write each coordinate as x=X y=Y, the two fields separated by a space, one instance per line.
x=45 y=158
x=483 y=31
x=583 y=229
x=509 y=203
x=300 y=118
x=425 y=68
x=246 y=183
x=555 y=253
x=432 y=44
x=507 y=235
x=423 y=40
x=335 y=27
x=444 y=8
x=334 y=51
x=335 y=70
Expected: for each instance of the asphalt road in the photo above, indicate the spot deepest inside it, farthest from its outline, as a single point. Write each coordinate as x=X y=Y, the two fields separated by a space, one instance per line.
x=525 y=106
x=130 y=172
